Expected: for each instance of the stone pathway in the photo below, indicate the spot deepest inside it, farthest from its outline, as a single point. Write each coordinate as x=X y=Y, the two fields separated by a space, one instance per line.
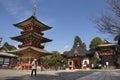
x=61 y=75
x=102 y=75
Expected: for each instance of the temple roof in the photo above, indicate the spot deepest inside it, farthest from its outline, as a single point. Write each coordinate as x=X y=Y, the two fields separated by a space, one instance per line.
x=35 y=35
x=32 y=20
x=78 y=51
x=117 y=37
x=106 y=44
x=7 y=54
x=31 y=50
x=3 y=48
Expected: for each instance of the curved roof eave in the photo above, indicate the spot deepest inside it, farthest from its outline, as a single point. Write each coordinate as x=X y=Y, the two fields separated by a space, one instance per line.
x=30 y=48
x=7 y=54
x=29 y=20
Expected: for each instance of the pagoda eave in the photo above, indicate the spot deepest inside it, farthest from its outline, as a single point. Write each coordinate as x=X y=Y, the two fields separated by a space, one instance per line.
x=30 y=50
x=32 y=20
x=21 y=38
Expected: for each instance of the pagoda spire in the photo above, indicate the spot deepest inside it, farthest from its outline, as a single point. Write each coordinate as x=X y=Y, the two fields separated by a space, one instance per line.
x=34 y=9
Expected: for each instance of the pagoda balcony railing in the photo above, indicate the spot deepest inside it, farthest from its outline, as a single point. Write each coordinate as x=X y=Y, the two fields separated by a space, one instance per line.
x=31 y=30
x=30 y=44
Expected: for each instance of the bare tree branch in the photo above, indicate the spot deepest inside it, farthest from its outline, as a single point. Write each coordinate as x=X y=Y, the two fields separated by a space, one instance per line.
x=110 y=23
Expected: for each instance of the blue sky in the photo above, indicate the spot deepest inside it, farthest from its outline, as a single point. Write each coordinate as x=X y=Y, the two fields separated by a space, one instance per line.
x=69 y=18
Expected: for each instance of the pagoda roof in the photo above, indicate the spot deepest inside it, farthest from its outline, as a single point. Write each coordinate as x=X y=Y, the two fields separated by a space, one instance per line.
x=32 y=20
x=78 y=51
x=31 y=50
x=21 y=38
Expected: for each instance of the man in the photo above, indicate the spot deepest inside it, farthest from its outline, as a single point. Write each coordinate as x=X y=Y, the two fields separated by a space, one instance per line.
x=34 y=67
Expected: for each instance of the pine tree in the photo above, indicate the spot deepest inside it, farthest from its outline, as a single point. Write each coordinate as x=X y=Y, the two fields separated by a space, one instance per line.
x=77 y=41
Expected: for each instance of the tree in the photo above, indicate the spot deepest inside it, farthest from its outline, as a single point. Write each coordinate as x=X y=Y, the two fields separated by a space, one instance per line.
x=95 y=60
x=110 y=23
x=94 y=43
x=77 y=41
x=56 y=60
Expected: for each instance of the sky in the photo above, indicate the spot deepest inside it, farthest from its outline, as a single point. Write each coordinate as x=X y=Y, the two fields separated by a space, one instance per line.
x=68 y=18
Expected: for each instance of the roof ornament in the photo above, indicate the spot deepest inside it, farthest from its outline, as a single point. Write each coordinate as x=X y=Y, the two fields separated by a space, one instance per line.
x=78 y=44
x=105 y=42
x=76 y=52
x=34 y=9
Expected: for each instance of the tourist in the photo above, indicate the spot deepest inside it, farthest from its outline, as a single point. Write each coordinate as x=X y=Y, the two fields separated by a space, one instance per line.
x=34 y=67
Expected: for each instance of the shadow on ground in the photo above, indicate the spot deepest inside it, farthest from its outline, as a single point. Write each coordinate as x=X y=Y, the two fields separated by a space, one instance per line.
x=59 y=76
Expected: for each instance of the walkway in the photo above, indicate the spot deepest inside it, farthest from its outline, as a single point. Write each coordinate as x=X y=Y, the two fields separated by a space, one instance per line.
x=61 y=75
x=102 y=75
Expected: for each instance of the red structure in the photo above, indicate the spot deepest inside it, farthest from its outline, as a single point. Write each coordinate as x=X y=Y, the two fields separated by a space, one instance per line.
x=78 y=58
x=107 y=54
x=32 y=41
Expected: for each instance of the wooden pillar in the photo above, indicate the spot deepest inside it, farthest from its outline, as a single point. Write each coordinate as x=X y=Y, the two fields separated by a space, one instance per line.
x=89 y=62
x=73 y=66
x=29 y=60
x=81 y=64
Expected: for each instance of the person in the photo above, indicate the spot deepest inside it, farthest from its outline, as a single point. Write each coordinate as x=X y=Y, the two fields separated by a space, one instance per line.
x=34 y=67
x=107 y=65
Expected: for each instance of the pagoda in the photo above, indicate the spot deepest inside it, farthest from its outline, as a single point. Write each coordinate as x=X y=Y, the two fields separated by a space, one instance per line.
x=32 y=39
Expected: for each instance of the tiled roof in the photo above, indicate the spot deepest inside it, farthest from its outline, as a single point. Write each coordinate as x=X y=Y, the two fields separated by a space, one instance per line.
x=76 y=51
x=7 y=54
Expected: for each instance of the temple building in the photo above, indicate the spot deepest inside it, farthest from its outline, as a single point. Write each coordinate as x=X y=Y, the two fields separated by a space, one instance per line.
x=78 y=57
x=107 y=54
x=6 y=58
x=32 y=39
x=117 y=38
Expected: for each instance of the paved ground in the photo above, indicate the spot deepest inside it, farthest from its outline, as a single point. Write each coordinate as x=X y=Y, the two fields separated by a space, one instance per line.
x=103 y=75
x=61 y=75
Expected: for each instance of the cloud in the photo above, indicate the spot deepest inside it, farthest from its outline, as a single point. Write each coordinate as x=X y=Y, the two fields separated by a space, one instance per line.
x=11 y=6
x=65 y=47
x=16 y=8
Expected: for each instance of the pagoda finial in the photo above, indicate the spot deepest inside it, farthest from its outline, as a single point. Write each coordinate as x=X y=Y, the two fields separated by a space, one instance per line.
x=34 y=9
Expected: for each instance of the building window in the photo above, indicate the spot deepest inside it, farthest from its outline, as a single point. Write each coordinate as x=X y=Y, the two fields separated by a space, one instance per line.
x=6 y=61
x=1 y=60
x=70 y=63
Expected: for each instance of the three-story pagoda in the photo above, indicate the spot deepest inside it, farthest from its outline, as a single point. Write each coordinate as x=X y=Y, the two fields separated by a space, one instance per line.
x=32 y=40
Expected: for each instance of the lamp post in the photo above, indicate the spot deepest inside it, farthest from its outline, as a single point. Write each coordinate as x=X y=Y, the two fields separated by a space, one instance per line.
x=0 y=40
x=62 y=64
